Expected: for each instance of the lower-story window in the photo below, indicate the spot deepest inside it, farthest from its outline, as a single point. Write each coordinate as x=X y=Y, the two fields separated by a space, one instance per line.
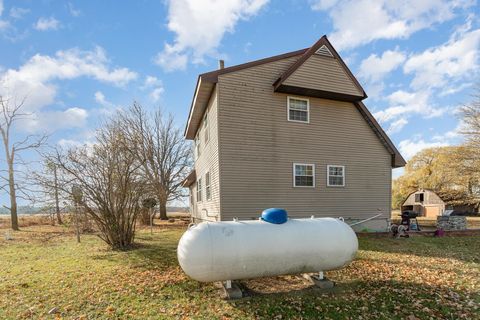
x=335 y=176
x=199 y=190
x=303 y=175
x=208 y=194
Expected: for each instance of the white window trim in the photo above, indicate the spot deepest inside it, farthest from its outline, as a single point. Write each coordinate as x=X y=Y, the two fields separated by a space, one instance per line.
x=209 y=186
x=313 y=174
x=288 y=109
x=328 y=176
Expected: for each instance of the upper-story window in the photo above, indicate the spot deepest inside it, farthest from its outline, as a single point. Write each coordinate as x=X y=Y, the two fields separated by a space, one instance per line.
x=298 y=109
x=303 y=175
x=205 y=127
x=335 y=176
x=197 y=145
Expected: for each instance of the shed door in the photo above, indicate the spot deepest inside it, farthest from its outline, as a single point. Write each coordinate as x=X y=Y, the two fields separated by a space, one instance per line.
x=432 y=211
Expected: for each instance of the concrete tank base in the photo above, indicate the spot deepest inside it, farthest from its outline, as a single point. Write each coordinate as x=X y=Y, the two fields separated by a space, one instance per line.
x=232 y=290
x=320 y=283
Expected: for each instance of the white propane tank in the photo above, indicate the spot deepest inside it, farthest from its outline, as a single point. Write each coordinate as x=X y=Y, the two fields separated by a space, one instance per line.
x=234 y=250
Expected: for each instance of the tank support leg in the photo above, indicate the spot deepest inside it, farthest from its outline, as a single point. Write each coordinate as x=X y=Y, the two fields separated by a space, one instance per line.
x=232 y=290
x=320 y=280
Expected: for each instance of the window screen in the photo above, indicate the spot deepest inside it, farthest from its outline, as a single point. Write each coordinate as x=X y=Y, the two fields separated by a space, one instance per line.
x=336 y=176
x=304 y=175
x=298 y=110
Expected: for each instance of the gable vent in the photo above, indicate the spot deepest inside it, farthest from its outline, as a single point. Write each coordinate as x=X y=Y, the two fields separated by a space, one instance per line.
x=323 y=51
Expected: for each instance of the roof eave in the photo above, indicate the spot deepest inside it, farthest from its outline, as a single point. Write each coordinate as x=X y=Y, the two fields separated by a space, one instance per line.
x=190 y=179
x=203 y=92
x=397 y=160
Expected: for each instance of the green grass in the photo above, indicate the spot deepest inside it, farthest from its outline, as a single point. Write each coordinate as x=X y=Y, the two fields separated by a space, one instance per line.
x=43 y=268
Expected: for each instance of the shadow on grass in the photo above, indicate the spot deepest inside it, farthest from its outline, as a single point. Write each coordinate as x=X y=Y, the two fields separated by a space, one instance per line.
x=363 y=299
x=466 y=249
x=149 y=252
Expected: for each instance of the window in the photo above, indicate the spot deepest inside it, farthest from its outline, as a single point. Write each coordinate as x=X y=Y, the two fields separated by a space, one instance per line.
x=298 y=109
x=303 y=175
x=197 y=145
x=335 y=176
x=199 y=190
x=205 y=127
x=208 y=195
x=419 y=197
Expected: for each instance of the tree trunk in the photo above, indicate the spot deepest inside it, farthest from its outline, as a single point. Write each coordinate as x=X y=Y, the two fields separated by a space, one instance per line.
x=13 y=197
x=163 y=210
x=57 y=206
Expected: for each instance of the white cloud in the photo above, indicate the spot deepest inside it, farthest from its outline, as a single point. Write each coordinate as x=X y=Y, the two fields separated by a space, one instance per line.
x=374 y=68
x=18 y=13
x=452 y=62
x=39 y=77
x=100 y=98
x=53 y=120
x=410 y=147
x=397 y=125
x=406 y=104
x=357 y=22
x=155 y=86
x=73 y=11
x=36 y=78
x=108 y=107
x=155 y=94
x=199 y=27
x=45 y=24
x=3 y=24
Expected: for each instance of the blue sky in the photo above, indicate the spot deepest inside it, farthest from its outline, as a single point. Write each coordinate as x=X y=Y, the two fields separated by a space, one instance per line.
x=77 y=61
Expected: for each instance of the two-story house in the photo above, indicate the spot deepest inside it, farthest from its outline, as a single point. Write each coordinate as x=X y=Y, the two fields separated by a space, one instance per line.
x=288 y=131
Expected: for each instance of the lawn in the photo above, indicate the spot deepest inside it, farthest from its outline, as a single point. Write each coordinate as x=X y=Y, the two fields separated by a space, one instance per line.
x=44 y=268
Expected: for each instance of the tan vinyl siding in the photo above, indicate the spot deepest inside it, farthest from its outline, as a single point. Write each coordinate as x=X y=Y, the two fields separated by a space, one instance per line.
x=258 y=147
x=323 y=73
x=208 y=162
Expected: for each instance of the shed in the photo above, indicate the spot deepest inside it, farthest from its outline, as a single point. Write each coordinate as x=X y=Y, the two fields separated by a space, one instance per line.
x=426 y=203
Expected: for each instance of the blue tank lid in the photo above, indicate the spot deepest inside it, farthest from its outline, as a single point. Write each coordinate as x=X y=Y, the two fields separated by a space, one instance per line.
x=275 y=215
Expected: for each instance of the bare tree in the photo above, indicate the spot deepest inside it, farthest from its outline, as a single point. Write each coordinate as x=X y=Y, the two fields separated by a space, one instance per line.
x=108 y=175
x=49 y=191
x=162 y=150
x=470 y=114
x=10 y=112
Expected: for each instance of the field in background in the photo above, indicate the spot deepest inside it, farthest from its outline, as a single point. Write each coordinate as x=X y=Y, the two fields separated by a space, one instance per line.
x=43 y=268
x=26 y=220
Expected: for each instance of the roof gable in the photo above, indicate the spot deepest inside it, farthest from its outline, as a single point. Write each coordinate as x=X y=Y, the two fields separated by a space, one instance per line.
x=321 y=72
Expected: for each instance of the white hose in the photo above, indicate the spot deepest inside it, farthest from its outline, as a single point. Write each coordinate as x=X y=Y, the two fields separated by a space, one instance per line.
x=368 y=219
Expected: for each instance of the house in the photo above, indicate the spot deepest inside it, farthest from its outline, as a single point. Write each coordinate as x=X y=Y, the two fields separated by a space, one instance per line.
x=288 y=131
x=424 y=202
